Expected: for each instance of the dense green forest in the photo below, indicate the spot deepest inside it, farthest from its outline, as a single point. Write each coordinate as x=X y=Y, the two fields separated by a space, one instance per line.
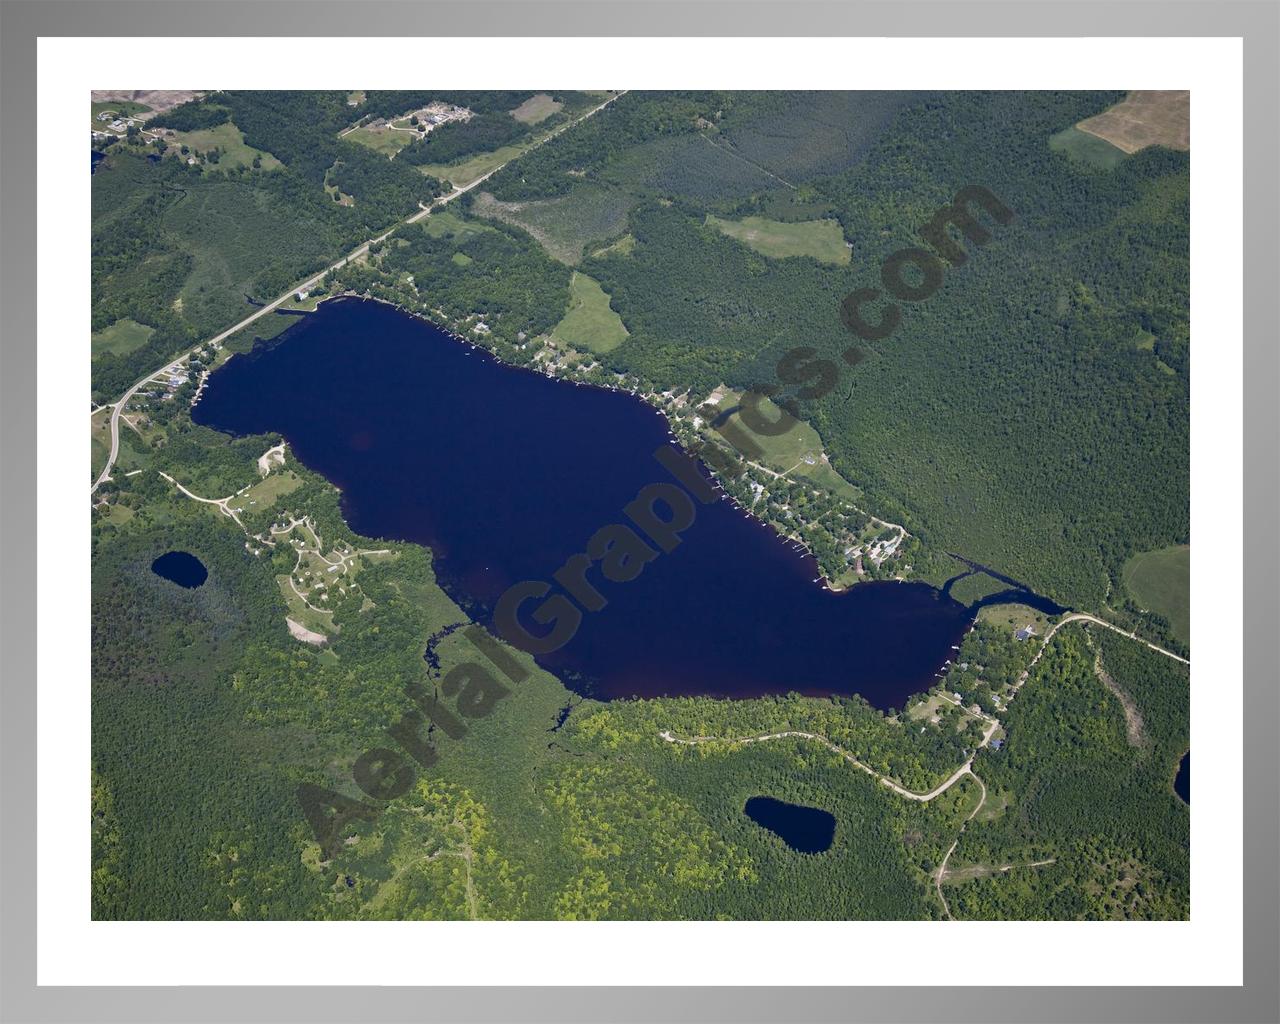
x=1031 y=414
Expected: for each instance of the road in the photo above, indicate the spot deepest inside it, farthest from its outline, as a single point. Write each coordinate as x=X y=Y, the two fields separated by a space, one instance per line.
x=938 y=790
x=118 y=407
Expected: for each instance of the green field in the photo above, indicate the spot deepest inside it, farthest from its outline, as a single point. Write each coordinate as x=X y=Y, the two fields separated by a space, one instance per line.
x=228 y=140
x=536 y=108
x=590 y=322
x=1088 y=148
x=464 y=172
x=821 y=239
x=1161 y=582
x=445 y=222
x=121 y=337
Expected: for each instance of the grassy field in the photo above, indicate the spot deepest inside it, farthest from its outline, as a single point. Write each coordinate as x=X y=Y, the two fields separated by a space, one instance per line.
x=821 y=239
x=446 y=222
x=1088 y=148
x=566 y=225
x=1161 y=581
x=590 y=322
x=536 y=108
x=230 y=144
x=121 y=337
x=466 y=171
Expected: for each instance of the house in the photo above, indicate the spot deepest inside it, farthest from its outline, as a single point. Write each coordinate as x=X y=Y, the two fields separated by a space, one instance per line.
x=997 y=744
x=1025 y=633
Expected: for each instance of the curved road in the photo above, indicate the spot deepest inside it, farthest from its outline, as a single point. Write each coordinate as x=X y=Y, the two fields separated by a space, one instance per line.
x=118 y=407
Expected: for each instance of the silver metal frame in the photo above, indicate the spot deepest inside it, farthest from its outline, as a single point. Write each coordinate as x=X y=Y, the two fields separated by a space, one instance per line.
x=21 y=23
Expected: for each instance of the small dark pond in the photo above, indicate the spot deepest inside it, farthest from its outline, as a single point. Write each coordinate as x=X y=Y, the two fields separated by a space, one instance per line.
x=1182 y=781
x=182 y=568
x=804 y=829
x=504 y=474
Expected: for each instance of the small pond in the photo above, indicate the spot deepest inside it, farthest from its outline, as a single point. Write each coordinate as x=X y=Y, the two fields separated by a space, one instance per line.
x=182 y=568
x=1182 y=781
x=804 y=829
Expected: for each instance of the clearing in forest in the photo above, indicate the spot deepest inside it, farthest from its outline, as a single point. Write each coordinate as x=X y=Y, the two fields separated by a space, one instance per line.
x=1161 y=581
x=821 y=239
x=536 y=108
x=590 y=322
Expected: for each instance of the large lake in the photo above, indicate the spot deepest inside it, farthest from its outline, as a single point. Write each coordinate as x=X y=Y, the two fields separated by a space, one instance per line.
x=504 y=473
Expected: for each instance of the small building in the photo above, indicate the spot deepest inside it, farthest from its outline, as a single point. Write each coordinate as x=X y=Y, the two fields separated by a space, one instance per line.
x=997 y=744
x=1025 y=633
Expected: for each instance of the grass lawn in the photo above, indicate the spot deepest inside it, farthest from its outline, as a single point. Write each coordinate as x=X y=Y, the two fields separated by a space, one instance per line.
x=121 y=338
x=1161 y=581
x=1089 y=148
x=821 y=239
x=230 y=144
x=265 y=492
x=536 y=108
x=590 y=322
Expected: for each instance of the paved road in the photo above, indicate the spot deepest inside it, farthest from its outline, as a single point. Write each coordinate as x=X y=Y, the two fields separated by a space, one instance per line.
x=117 y=408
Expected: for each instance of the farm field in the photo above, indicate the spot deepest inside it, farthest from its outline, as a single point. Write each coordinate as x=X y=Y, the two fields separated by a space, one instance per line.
x=1145 y=118
x=1161 y=581
x=821 y=239
x=590 y=323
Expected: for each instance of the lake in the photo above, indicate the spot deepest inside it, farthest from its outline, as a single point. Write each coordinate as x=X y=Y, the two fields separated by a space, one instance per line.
x=804 y=829
x=182 y=568
x=1182 y=781
x=504 y=473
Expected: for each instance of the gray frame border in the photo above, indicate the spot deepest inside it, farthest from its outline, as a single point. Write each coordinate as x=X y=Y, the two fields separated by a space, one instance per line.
x=1256 y=21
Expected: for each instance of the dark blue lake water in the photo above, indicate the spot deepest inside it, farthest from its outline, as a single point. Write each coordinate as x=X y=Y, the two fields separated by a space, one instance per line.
x=504 y=474
x=1182 y=781
x=804 y=829
x=182 y=568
